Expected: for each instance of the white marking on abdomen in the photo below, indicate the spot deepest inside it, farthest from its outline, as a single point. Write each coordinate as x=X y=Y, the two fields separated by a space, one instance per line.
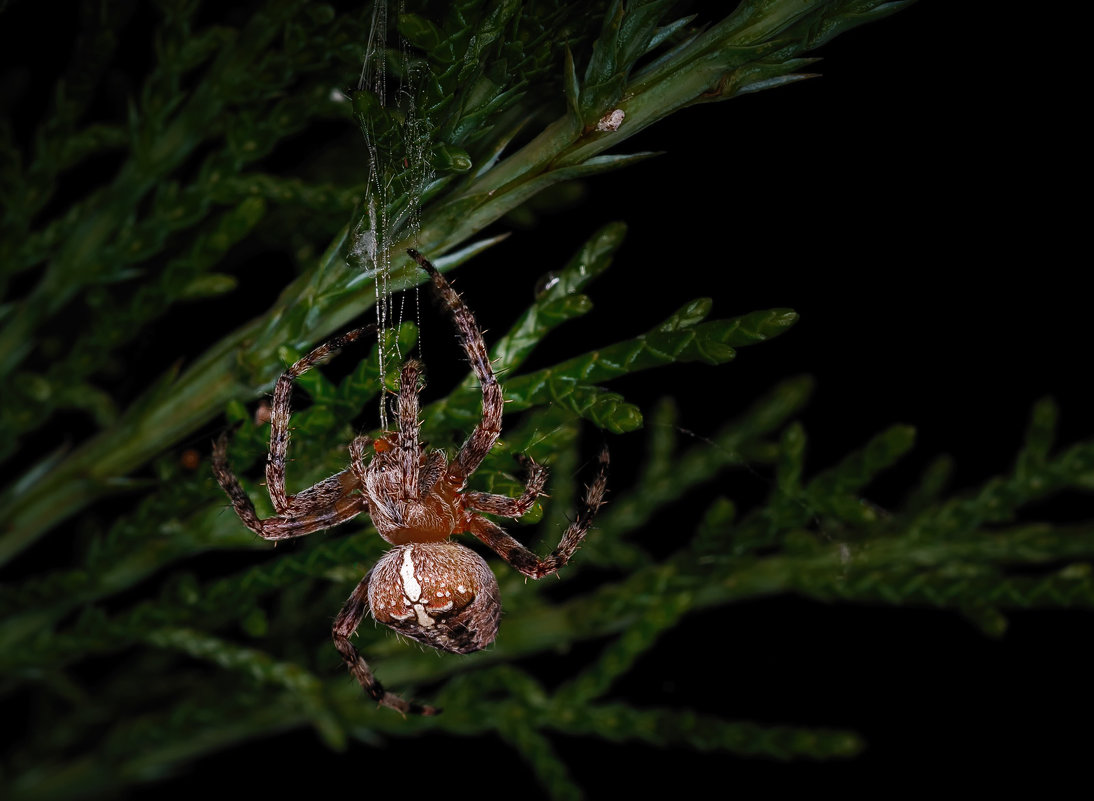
x=411 y=588
x=423 y=619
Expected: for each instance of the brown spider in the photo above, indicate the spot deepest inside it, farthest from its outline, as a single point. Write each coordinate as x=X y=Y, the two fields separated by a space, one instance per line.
x=427 y=587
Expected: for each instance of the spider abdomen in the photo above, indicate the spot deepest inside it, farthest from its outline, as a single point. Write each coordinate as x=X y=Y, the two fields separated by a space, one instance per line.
x=439 y=593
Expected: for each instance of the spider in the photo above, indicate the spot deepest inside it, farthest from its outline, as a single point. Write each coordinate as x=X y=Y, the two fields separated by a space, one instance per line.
x=427 y=587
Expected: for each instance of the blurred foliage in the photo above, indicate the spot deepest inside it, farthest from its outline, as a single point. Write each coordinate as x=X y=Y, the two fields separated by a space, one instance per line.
x=505 y=100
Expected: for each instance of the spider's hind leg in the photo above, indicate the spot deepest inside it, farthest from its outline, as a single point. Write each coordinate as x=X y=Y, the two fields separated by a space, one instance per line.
x=345 y=625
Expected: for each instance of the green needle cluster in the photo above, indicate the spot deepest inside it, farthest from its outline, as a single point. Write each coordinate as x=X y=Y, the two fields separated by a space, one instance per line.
x=510 y=99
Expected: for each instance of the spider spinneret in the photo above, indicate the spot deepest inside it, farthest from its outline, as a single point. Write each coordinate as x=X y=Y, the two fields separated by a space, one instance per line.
x=427 y=587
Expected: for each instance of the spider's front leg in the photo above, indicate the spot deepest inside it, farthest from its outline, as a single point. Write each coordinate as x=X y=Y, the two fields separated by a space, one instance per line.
x=410 y=379
x=528 y=562
x=281 y=411
x=332 y=501
x=488 y=430
x=344 y=626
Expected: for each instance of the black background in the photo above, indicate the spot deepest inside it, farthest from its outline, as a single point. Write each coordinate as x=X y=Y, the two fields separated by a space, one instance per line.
x=918 y=206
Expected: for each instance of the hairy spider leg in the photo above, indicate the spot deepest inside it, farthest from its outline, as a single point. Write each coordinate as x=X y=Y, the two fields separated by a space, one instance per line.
x=332 y=501
x=281 y=411
x=419 y=476
x=328 y=503
x=345 y=625
x=527 y=562
x=503 y=505
x=486 y=433
x=409 y=385
x=358 y=453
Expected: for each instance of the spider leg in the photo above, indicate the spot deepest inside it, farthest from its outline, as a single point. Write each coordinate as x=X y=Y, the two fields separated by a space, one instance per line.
x=342 y=490
x=231 y=486
x=281 y=411
x=431 y=472
x=328 y=503
x=409 y=381
x=344 y=626
x=486 y=433
x=503 y=505
x=524 y=560
x=358 y=450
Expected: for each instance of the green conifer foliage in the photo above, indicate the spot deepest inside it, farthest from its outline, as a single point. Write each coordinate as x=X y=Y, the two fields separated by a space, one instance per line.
x=143 y=628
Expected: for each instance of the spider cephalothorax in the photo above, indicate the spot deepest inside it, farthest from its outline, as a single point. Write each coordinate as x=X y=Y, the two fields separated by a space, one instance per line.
x=427 y=587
